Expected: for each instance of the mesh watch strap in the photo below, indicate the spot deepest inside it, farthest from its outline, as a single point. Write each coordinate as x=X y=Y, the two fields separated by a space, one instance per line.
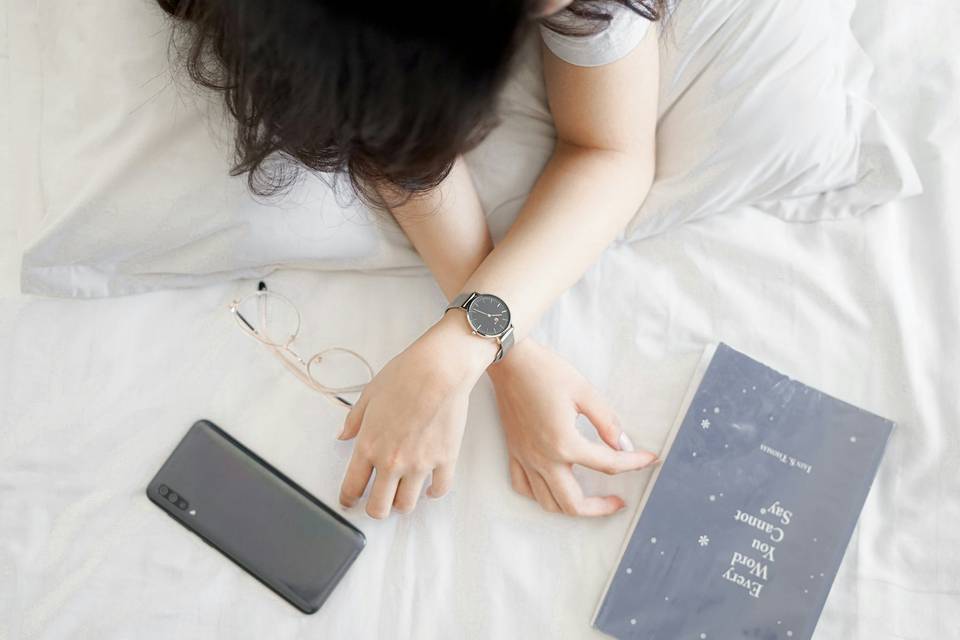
x=460 y=302
x=506 y=341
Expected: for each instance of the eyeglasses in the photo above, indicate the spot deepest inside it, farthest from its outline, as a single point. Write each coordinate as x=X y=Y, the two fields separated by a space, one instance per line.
x=275 y=321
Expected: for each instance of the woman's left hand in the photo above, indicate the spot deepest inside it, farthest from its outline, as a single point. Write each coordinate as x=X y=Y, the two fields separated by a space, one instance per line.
x=539 y=395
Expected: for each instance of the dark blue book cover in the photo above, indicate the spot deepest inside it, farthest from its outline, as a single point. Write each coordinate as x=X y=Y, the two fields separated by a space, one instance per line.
x=742 y=528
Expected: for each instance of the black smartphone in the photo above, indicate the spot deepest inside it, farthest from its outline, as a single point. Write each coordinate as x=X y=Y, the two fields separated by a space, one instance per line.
x=257 y=517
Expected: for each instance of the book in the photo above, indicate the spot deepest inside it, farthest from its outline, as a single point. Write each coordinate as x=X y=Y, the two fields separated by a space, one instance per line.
x=742 y=527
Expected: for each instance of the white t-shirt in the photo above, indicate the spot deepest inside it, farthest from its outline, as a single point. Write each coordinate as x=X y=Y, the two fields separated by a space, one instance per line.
x=621 y=35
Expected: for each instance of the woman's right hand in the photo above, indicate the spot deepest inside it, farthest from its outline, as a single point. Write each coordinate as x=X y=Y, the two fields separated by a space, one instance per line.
x=539 y=396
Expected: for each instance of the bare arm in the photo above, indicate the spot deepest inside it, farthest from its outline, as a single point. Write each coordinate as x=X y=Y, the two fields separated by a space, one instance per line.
x=448 y=229
x=409 y=420
x=596 y=179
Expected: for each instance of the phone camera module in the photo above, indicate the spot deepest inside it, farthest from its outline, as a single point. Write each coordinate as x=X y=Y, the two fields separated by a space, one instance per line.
x=163 y=490
x=183 y=504
x=173 y=496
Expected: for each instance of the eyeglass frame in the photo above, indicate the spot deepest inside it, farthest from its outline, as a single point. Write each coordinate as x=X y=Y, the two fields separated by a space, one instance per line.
x=279 y=350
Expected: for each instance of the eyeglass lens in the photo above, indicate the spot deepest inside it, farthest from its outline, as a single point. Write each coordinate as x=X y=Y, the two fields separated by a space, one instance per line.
x=271 y=317
x=338 y=368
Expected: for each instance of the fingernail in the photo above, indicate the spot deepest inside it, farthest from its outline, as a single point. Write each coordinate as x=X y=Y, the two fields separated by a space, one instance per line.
x=343 y=430
x=626 y=444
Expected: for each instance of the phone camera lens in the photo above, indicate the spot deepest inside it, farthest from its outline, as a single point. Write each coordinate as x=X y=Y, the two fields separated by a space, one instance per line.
x=172 y=497
x=164 y=490
x=182 y=504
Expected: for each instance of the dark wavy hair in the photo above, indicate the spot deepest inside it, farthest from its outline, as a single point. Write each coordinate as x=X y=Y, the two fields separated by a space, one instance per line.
x=387 y=93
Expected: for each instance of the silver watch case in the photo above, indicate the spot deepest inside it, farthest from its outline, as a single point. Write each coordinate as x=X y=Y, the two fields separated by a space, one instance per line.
x=469 y=303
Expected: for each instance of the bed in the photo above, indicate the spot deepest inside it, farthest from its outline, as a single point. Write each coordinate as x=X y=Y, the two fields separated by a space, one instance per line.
x=95 y=393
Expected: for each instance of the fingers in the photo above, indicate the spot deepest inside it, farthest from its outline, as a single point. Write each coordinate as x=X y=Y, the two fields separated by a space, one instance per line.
x=382 y=495
x=355 y=481
x=621 y=455
x=408 y=492
x=600 y=458
x=542 y=492
x=389 y=491
x=558 y=491
x=441 y=482
x=569 y=495
x=604 y=419
x=351 y=424
x=518 y=479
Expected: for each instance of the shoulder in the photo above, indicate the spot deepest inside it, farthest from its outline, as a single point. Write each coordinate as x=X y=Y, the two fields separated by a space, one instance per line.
x=621 y=35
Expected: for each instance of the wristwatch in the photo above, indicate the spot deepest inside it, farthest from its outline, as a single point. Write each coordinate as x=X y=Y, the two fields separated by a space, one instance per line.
x=489 y=317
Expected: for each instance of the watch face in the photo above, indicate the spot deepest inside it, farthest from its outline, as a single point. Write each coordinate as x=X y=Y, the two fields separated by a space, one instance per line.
x=488 y=315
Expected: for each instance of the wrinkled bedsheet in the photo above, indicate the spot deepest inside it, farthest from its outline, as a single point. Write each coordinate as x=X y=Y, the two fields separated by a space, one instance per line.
x=94 y=395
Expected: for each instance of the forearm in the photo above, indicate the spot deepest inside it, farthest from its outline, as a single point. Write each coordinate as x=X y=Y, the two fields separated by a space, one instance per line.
x=448 y=228
x=581 y=202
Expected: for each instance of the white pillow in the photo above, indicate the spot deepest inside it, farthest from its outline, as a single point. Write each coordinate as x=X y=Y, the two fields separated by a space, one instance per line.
x=134 y=173
x=761 y=103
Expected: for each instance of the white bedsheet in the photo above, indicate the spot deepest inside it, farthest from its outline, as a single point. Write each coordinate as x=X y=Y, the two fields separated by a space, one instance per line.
x=94 y=394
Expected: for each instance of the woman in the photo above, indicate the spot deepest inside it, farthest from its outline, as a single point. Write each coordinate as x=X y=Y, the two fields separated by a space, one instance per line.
x=392 y=94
